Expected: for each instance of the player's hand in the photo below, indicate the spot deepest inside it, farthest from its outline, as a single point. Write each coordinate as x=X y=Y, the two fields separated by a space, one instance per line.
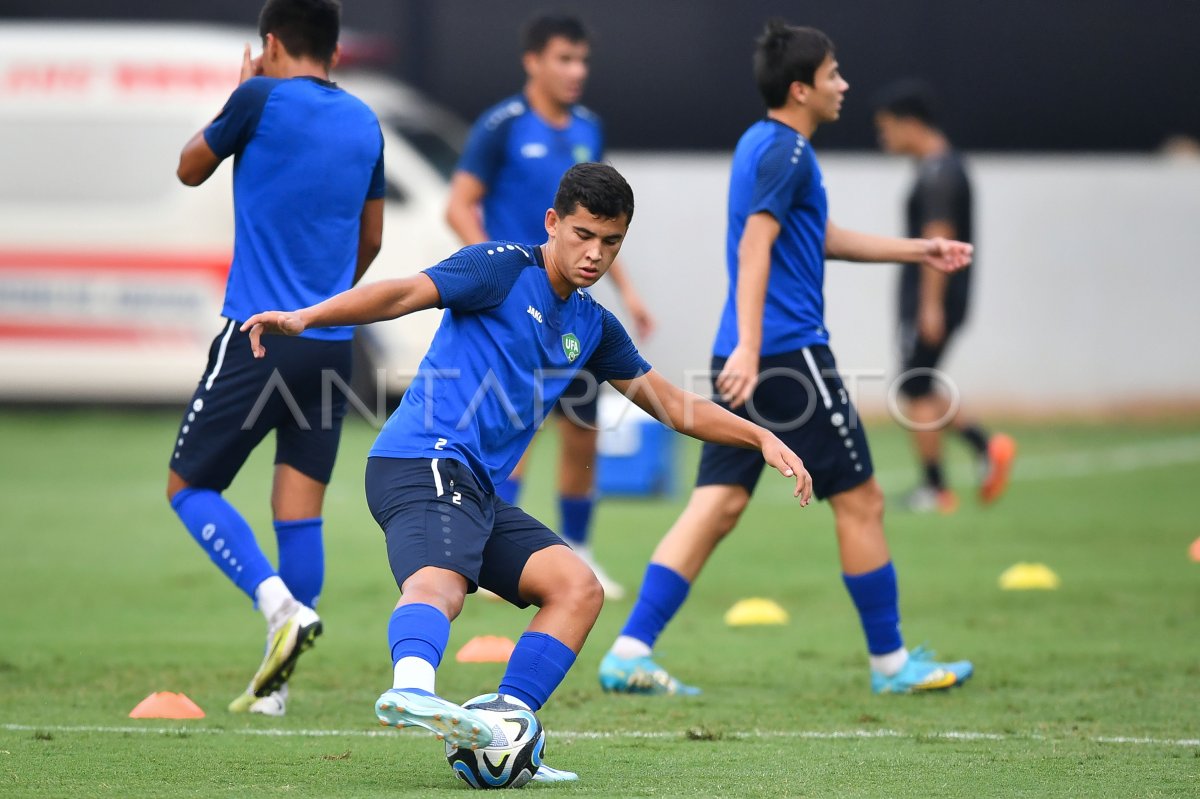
x=778 y=455
x=251 y=67
x=643 y=322
x=736 y=382
x=286 y=323
x=931 y=324
x=946 y=255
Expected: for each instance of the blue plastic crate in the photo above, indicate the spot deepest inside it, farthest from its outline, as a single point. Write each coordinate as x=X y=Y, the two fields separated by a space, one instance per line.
x=635 y=452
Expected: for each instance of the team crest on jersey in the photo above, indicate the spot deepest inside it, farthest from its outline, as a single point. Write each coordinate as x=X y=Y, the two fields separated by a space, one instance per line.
x=571 y=347
x=582 y=154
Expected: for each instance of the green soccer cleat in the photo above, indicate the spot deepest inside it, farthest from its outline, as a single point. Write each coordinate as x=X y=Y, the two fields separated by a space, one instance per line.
x=640 y=676
x=451 y=723
x=922 y=673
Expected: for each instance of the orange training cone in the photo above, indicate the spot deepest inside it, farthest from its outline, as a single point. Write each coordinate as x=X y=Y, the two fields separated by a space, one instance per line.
x=486 y=649
x=1195 y=550
x=166 y=705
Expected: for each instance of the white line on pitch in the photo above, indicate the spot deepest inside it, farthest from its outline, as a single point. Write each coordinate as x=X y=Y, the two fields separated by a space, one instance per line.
x=818 y=735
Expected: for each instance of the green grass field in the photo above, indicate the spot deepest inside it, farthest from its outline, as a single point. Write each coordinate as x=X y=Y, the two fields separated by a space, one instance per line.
x=1090 y=690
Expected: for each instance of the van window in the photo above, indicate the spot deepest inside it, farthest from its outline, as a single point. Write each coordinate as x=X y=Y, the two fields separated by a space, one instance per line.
x=433 y=147
x=79 y=159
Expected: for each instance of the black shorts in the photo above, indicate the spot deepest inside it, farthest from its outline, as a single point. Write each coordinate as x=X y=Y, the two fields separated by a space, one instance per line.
x=801 y=399
x=433 y=513
x=919 y=360
x=580 y=403
x=240 y=399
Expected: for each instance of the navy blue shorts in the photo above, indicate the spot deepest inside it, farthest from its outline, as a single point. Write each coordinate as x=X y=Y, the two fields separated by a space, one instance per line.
x=801 y=399
x=433 y=513
x=580 y=403
x=240 y=399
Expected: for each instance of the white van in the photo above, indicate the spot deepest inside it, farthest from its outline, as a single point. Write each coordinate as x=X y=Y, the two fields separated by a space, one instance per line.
x=112 y=273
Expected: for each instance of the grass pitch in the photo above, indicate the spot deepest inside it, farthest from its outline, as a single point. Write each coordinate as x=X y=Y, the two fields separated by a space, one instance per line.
x=1090 y=690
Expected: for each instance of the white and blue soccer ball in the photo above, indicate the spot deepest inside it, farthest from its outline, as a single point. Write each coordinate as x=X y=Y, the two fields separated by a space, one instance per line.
x=515 y=753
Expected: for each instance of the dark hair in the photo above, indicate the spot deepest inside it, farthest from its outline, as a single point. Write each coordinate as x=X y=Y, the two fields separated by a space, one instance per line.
x=306 y=28
x=538 y=32
x=785 y=54
x=908 y=99
x=597 y=187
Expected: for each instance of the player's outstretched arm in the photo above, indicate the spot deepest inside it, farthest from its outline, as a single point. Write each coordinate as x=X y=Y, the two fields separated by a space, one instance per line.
x=700 y=418
x=850 y=245
x=361 y=305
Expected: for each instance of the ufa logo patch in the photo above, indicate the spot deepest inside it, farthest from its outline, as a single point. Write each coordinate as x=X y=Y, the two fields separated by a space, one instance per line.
x=571 y=347
x=582 y=154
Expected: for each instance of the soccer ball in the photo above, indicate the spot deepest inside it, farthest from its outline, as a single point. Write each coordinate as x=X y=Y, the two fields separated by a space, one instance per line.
x=513 y=756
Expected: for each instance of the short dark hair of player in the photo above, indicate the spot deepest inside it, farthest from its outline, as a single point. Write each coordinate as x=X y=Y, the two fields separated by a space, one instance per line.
x=785 y=54
x=908 y=99
x=305 y=28
x=538 y=32
x=598 y=188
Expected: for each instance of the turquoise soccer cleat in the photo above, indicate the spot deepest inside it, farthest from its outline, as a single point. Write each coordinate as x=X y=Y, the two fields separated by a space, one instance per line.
x=451 y=723
x=922 y=673
x=640 y=676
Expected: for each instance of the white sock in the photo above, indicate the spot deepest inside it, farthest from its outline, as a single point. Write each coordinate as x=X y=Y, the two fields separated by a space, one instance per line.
x=272 y=596
x=890 y=664
x=414 y=672
x=626 y=647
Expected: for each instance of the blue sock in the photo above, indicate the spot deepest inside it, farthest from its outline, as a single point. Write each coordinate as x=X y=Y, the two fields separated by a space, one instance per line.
x=663 y=593
x=537 y=665
x=509 y=490
x=576 y=518
x=301 y=558
x=420 y=631
x=876 y=598
x=224 y=535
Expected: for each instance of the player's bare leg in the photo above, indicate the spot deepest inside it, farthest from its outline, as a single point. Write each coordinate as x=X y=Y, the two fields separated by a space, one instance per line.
x=871 y=580
x=711 y=513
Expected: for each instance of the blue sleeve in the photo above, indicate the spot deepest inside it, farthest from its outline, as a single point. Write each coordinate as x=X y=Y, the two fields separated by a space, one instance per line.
x=616 y=358
x=378 y=187
x=478 y=277
x=484 y=153
x=781 y=170
x=233 y=128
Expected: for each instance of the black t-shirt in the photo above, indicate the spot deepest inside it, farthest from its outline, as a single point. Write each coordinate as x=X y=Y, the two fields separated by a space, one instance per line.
x=942 y=192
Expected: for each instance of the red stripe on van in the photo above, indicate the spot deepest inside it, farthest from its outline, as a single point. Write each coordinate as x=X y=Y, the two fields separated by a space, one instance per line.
x=89 y=334
x=216 y=265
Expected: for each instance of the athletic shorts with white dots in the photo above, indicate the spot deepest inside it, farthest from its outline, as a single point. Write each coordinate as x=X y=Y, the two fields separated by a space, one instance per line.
x=433 y=513
x=800 y=398
x=296 y=391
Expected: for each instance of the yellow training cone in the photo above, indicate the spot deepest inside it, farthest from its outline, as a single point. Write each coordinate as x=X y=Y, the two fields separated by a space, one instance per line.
x=1029 y=576
x=755 y=611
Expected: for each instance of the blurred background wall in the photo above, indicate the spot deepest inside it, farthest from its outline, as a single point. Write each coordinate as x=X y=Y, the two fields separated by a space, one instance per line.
x=1087 y=282
x=1067 y=75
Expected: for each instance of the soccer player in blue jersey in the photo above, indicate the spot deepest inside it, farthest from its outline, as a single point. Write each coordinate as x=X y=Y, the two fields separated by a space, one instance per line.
x=773 y=364
x=517 y=327
x=516 y=153
x=308 y=219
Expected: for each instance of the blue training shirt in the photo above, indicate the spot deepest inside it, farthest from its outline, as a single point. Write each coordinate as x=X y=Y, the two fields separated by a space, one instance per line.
x=505 y=351
x=307 y=155
x=775 y=171
x=520 y=158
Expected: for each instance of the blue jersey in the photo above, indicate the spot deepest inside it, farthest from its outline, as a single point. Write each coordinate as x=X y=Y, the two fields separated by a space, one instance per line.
x=775 y=172
x=307 y=155
x=520 y=158
x=505 y=351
